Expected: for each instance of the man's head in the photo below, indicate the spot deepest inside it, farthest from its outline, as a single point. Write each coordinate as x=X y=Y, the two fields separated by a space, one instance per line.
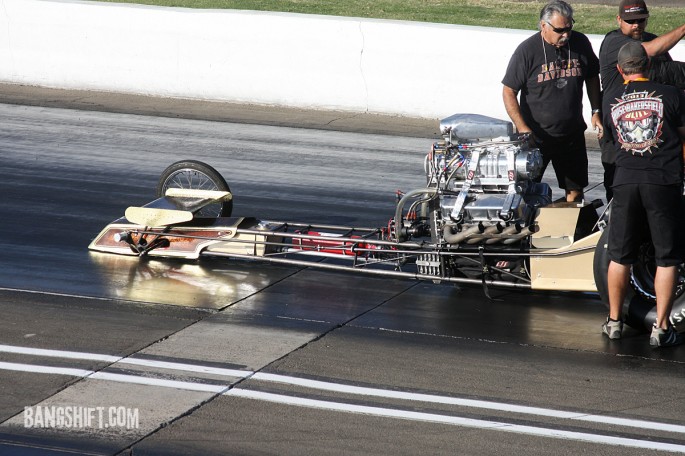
x=632 y=18
x=556 y=22
x=632 y=59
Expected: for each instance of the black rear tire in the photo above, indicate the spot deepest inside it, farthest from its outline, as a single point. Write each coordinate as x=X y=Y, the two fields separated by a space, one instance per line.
x=639 y=307
x=193 y=174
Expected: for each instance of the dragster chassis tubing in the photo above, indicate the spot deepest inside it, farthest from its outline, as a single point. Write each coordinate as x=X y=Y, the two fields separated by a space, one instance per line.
x=381 y=272
x=398 y=251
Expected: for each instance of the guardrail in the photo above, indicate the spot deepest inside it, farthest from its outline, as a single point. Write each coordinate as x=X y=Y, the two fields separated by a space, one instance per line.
x=306 y=61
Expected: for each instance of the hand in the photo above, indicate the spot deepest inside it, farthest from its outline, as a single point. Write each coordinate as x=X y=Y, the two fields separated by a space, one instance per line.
x=525 y=135
x=597 y=125
x=529 y=137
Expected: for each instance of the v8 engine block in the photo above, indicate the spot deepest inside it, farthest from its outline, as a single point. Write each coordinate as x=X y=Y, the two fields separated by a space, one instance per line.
x=484 y=180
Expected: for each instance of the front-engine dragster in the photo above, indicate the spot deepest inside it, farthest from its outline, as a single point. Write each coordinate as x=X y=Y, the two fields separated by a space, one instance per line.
x=481 y=219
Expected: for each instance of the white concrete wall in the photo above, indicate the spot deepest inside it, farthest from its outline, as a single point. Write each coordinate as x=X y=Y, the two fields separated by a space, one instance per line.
x=379 y=66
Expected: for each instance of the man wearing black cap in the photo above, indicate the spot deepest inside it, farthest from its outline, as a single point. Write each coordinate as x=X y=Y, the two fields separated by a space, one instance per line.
x=632 y=19
x=646 y=121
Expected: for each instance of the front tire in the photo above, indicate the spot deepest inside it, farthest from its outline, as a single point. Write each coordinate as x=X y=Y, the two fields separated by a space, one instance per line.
x=193 y=174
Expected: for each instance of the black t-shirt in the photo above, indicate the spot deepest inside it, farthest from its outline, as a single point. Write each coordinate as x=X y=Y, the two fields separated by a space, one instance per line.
x=608 y=57
x=551 y=88
x=612 y=80
x=642 y=118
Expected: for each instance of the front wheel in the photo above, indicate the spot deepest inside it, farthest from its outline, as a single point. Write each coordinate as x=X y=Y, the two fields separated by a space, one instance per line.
x=193 y=174
x=639 y=307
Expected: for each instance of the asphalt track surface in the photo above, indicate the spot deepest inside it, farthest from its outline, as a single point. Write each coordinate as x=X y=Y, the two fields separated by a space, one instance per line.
x=227 y=357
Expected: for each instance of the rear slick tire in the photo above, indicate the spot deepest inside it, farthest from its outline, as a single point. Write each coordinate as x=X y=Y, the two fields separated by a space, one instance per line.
x=639 y=306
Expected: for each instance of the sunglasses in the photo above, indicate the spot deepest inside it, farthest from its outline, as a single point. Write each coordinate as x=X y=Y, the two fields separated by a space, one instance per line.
x=561 y=31
x=635 y=21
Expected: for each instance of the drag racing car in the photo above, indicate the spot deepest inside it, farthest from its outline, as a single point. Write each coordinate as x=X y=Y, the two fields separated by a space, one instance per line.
x=481 y=219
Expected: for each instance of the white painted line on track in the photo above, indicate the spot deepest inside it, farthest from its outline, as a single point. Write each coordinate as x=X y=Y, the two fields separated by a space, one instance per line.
x=456 y=421
x=45 y=369
x=448 y=400
x=306 y=383
x=59 y=354
x=118 y=359
x=351 y=408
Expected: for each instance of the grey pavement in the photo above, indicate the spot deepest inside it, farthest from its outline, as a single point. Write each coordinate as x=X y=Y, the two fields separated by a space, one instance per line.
x=217 y=111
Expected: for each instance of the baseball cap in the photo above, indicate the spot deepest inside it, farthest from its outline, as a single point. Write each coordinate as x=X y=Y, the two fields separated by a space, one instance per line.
x=633 y=9
x=632 y=56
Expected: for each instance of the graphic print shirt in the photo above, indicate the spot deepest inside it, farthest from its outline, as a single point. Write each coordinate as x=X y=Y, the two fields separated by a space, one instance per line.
x=644 y=117
x=550 y=81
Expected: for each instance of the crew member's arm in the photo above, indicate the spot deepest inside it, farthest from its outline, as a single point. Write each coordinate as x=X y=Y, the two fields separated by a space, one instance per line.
x=664 y=43
x=595 y=95
x=511 y=104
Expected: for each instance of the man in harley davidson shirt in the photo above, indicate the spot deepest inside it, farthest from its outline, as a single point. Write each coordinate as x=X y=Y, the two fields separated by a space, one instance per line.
x=646 y=120
x=549 y=70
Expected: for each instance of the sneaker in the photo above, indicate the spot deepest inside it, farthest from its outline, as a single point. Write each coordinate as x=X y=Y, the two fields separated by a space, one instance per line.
x=665 y=337
x=613 y=328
